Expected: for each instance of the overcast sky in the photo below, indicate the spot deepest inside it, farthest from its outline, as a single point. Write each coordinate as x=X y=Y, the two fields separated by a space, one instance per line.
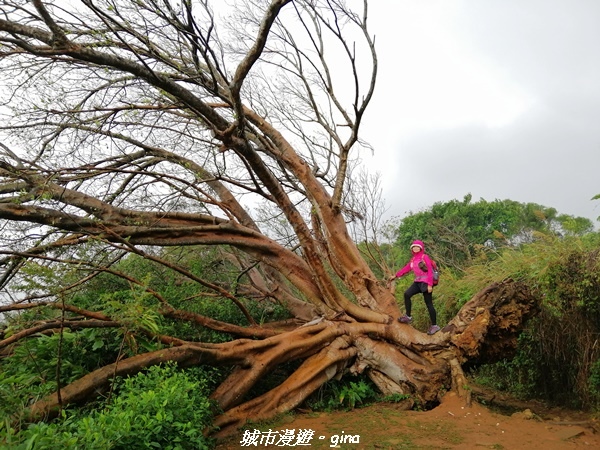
x=497 y=98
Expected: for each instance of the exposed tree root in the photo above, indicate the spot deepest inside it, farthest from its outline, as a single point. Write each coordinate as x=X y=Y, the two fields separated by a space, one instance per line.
x=242 y=352
x=398 y=358
x=312 y=374
x=459 y=382
x=487 y=326
x=90 y=385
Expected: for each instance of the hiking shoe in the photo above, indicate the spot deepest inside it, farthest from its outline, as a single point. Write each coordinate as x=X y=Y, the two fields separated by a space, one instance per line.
x=433 y=329
x=405 y=319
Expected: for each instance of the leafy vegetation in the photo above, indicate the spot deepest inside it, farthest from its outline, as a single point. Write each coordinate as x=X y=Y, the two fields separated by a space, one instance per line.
x=163 y=408
x=557 y=358
x=460 y=233
x=31 y=370
x=557 y=255
x=344 y=394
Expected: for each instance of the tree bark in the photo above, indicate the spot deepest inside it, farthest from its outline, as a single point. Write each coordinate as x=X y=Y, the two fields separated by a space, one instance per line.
x=397 y=357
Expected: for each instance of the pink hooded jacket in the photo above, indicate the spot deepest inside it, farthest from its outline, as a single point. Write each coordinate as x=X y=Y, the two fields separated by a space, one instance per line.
x=420 y=275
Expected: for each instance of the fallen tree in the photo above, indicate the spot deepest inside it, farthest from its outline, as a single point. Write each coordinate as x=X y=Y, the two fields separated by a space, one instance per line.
x=398 y=358
x=134 y=128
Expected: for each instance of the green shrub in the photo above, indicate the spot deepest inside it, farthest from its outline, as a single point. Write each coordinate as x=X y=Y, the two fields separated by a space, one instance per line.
x=557 y=355
x=30 y=371
x=163 y=408
x=520 y=375
x=344 y=394
x=594 y=385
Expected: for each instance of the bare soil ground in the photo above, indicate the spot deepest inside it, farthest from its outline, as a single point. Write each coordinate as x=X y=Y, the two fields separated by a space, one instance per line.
x=451 y=425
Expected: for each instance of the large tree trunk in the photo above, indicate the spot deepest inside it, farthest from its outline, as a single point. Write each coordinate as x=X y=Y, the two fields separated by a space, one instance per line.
x=397 y=357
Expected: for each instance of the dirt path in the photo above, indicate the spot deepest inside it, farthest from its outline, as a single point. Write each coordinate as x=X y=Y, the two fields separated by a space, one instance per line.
x=449 y=426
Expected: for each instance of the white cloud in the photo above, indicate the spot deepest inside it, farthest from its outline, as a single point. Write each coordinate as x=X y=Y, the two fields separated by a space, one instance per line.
x=436 y=81
x=497 y=98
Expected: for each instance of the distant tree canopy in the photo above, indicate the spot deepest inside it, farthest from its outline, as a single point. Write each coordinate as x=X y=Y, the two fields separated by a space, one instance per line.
x=456 y=231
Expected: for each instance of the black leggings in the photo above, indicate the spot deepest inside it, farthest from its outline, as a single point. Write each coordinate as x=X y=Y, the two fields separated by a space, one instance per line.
x=414 y=289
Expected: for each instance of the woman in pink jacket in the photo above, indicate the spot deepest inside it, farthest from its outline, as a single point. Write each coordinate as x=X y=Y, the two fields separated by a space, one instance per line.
x=420 y=264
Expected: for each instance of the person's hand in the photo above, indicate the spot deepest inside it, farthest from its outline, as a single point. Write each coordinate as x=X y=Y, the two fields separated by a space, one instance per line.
x=392 y=278
x=429 y=289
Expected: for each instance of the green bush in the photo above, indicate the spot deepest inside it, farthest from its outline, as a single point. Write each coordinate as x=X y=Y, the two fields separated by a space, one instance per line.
x=30 y=371
x=344 y=394
x=519 y=375
x=163 y=408
x=557 y=356
x=594 y=384
x=135 y=307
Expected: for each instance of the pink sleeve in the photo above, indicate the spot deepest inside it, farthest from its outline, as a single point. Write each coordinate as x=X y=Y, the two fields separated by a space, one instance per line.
x=403 y=271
